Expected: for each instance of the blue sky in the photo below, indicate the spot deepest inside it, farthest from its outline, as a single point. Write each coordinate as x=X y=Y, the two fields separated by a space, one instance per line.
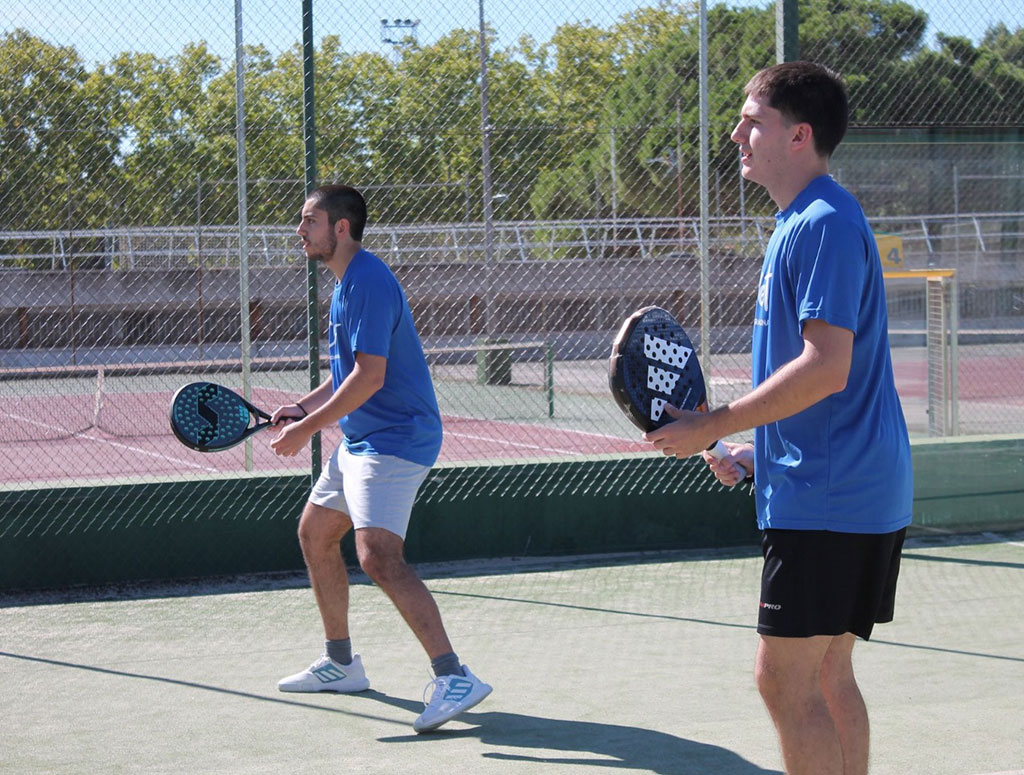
x=101 y=28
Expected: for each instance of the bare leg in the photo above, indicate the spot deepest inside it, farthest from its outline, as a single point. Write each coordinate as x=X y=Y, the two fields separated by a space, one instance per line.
x=846 y=704
x=788 y=678
x=320 y=532
x=381 y=556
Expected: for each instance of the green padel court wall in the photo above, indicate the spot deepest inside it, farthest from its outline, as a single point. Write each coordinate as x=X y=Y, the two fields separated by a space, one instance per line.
x=124 y=533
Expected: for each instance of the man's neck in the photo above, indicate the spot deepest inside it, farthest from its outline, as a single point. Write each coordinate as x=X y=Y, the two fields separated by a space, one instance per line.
x=342 y=257
x=786 y=192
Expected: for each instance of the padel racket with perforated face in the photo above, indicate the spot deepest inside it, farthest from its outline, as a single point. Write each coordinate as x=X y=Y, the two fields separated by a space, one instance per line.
x=209 y=417
x=653 y=363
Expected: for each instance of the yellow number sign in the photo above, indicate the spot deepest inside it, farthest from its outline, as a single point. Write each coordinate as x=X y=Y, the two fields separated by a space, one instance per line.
x=890 y=248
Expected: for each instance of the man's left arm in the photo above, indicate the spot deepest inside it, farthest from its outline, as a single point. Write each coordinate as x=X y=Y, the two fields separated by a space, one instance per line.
x=820 y=370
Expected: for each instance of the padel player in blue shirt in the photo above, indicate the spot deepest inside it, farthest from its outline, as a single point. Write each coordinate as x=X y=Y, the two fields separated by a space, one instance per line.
x=831 y=456
x=381 y=395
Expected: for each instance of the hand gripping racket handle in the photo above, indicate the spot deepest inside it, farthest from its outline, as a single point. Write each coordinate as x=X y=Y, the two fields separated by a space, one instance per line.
x=718 y=450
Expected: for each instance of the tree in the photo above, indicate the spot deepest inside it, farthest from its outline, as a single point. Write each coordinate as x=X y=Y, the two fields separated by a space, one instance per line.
x=58 y=143
x=1008 y=45
x=165 y=118
x=592 y=122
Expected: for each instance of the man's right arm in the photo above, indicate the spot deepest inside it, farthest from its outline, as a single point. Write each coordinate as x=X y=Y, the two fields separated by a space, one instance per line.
x=820 y=370
x=308 y=404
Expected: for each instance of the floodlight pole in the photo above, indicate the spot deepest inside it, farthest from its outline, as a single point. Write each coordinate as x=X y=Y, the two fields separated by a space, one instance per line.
x=398 y=32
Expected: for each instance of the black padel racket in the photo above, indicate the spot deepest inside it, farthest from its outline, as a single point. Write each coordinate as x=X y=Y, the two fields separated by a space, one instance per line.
x=653 y=363
x=209 y=417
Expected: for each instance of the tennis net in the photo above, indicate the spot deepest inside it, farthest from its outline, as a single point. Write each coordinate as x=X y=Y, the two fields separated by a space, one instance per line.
x=493 y=380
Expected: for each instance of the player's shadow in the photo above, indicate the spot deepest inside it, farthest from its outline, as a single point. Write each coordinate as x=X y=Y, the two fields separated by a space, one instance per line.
x=594 y=744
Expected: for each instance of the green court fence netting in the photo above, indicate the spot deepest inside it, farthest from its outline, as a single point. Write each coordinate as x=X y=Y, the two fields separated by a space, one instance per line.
x=533 y=173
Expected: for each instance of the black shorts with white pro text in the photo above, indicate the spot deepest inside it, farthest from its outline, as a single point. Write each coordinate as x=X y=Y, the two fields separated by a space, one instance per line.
x=817 y=582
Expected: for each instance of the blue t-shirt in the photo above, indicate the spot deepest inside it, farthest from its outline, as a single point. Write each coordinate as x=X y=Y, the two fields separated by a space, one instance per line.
x=843 y=464
x=370 y=314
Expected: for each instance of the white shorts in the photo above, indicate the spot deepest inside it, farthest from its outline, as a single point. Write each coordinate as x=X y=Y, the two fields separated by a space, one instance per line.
x=373 y=490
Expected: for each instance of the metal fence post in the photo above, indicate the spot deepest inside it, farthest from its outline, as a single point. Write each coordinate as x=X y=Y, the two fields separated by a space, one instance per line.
x=312 y=270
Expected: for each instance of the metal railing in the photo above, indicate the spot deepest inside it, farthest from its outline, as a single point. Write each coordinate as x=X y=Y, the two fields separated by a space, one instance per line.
x=173 y=247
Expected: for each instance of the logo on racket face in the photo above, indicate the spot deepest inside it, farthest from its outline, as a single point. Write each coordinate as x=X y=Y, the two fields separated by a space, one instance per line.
x=208 y=413
x=205 y=414
x=661 y=380
x=653 y=363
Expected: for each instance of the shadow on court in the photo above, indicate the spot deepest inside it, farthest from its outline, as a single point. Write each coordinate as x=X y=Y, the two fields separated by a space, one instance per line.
x=621 y=747
x=962 y=561
x=208 y=687
x=632 y=749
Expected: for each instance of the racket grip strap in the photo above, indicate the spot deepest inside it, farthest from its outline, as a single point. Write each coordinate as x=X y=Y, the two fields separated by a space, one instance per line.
x=718 y=450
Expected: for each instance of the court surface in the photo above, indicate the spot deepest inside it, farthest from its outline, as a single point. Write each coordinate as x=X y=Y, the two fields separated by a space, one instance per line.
x=613 y=665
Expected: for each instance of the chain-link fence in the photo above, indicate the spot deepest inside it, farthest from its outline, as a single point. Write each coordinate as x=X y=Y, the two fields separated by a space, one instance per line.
x=532 y=174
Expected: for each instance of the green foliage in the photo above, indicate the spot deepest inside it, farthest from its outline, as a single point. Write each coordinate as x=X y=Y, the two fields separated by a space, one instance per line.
x=145 y=140
x=1007 y=45
x=58 y=136
x=856 y=36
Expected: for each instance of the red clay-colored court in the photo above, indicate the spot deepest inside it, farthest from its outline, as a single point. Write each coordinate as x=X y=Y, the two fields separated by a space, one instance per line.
x=53 y=434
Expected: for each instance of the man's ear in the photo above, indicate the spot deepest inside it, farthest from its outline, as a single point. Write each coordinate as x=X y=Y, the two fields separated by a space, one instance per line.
x=803 y=136
x=342 y=227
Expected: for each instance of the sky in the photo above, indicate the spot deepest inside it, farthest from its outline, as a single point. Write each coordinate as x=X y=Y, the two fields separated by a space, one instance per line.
x=99 y=29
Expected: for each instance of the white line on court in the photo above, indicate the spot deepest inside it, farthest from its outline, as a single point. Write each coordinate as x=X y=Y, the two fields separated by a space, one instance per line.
x=514 y=443
x=540 y=428
x=108 y=442
x=607 y=436
x=930 y=529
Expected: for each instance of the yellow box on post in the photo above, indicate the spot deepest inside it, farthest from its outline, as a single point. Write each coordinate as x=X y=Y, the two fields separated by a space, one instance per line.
x=890 y=248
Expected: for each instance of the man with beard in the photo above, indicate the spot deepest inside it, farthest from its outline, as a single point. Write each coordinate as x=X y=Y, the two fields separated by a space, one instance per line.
x=381 y=395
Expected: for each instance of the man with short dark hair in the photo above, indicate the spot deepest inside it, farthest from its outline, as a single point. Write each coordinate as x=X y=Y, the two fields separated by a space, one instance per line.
x=381 y=395
x=831 y=455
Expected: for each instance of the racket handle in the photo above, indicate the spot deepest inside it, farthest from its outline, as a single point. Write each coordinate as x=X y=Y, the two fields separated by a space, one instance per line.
x=718 y=450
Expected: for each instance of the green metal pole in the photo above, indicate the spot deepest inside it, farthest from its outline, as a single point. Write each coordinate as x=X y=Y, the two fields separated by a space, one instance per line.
x=312 y=269
x=245 y=344
x=549 y=376
x=705 y=200
x=787 y=31
x=954 y=355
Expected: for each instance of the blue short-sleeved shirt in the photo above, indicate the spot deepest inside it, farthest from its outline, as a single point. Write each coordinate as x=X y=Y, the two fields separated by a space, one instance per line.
x=843 y=464
x=370 y=314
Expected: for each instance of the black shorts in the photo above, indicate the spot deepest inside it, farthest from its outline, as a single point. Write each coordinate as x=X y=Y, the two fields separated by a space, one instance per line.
x=816 y=582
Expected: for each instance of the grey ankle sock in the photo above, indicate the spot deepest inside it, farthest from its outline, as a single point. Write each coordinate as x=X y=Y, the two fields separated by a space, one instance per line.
x=340 y=650
x=447 y=664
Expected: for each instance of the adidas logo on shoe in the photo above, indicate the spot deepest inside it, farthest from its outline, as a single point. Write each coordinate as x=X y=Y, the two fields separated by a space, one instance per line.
x=326 y=675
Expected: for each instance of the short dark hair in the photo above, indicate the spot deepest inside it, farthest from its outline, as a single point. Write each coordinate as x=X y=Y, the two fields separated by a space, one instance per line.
x=806 y=93
x=342 y=202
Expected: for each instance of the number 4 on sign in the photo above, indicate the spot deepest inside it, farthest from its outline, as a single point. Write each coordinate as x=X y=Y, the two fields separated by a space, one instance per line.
x=890 y=249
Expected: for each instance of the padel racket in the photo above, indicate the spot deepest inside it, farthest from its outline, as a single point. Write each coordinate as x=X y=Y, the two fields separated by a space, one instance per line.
x=652 y=364
x=209 y=417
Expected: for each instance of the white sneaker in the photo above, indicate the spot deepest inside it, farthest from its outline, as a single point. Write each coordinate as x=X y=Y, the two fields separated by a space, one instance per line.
x=326 y=675
x=452 y=694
